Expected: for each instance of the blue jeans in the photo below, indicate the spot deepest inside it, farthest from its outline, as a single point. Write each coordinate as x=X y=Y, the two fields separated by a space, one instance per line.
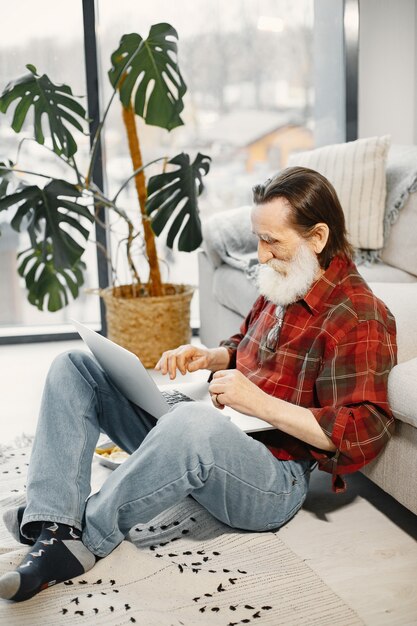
x=194 y=449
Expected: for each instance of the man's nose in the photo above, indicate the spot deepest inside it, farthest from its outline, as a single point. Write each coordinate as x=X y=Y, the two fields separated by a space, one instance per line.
x=264 y=252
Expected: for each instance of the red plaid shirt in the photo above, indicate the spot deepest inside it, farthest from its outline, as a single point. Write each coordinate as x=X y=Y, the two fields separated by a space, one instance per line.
x=335 y=350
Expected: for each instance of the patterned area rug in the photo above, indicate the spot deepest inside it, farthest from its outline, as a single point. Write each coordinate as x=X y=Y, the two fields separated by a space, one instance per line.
x=183 y=568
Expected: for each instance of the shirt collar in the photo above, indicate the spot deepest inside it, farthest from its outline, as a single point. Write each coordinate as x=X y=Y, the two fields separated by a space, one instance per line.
x=320 y=292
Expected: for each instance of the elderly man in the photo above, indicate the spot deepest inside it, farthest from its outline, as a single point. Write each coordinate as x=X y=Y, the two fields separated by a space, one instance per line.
x=312 y=358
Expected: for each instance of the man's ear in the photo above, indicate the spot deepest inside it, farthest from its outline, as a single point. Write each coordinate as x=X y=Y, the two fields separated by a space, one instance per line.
x=319 y=237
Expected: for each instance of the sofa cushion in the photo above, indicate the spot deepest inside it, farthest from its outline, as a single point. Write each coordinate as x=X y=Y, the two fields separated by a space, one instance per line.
x=357 y=171
x=234 y=290
x=400 y=223
x=401 y=246
x=228 y=238
x=401 y=299
x=402 y=392
x=383 y=273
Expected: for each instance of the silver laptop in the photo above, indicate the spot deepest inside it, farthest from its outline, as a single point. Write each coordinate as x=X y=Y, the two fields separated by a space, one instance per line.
x=128 y=374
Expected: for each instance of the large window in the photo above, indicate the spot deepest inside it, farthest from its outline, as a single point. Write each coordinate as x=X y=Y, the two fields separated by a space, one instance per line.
x=259 y=84
x=49 y=35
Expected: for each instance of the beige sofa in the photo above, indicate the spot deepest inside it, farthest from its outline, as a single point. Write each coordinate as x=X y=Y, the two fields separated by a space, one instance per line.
x=227 y=293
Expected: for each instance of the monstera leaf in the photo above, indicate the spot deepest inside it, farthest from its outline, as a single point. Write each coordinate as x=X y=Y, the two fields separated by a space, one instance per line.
x=56 y=102
x=177 y=192
x=45 y=211
x=44 y=280
x=151 y=70
x=49 y=216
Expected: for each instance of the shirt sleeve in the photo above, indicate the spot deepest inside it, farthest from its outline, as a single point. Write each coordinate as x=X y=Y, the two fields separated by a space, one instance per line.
x=352 y=391
x=233 y=342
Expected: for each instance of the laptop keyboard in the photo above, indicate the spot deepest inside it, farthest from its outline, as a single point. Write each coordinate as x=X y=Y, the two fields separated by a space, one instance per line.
x=175 y=396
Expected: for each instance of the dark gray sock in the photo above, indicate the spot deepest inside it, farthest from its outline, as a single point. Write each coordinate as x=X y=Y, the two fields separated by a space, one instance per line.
x=57 y=555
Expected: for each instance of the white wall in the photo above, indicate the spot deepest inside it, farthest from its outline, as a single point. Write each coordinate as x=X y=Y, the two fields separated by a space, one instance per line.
x=388 y=69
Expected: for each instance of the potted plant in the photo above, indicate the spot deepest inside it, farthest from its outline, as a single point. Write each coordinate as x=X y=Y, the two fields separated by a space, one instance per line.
x=149 y=316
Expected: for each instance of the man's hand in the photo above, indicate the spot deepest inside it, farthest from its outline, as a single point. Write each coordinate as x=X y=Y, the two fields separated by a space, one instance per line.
x=232 y=388
x=188 y=358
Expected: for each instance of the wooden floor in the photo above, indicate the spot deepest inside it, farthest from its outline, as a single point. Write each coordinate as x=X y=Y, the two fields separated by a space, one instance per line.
x=362 y=543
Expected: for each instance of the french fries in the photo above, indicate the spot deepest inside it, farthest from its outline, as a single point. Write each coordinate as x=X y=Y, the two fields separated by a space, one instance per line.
x=114 y=453
x=105 y=451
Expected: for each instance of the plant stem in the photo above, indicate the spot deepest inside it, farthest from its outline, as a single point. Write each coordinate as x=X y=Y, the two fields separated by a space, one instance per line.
x=94 y=148
x=132 y=266
x=155 y=283
x=140 y=169
x=13 y=169
x=96 y=141
x=100 y=200
x=104 y=251
x=72 y=165
x=77 y=172
x=109 y=205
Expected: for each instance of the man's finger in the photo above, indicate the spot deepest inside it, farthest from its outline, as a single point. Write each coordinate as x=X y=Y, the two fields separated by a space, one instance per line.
x=183 y=357
x=196 y=364
x=217 y=388
x=221 y=373
x=181 y=363
x=164 y=365
x=161 y=365
x=172 y=366
x=215 y=400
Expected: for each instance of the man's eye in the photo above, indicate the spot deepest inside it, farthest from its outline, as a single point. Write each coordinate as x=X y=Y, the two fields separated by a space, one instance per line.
x=268 y=240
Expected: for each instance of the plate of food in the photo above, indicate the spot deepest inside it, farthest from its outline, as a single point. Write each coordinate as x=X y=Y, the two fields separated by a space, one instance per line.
x=110 y=455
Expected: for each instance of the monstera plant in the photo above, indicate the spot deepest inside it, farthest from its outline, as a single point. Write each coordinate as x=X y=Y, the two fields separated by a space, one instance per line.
x=58 y=215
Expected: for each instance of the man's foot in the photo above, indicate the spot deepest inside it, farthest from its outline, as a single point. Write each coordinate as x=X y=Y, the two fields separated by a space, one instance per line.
x=12 y=519
x=57 y=555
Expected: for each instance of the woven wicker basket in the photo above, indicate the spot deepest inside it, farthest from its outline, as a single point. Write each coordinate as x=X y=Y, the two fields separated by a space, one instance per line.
x=145 y=325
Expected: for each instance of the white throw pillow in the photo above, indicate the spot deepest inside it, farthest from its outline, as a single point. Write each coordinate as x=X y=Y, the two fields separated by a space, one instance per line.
x=357 y=171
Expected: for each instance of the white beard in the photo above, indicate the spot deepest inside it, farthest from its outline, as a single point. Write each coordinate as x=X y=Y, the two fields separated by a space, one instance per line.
x=285 y=282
